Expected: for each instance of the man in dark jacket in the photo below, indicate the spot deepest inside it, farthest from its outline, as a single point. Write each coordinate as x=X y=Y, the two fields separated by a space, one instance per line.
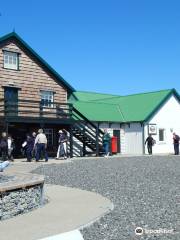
x=150 y=142
x=176 y=143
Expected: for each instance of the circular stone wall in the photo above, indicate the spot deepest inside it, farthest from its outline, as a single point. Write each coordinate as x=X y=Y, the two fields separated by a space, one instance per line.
x=20 y=193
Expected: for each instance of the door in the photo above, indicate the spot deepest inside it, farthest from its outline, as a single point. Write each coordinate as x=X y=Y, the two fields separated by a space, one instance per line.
x=11 y=101
x=18 y=133
x=133 y=139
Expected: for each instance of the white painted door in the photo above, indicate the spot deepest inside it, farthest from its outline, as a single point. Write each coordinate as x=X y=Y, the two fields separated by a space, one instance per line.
x=133 y=139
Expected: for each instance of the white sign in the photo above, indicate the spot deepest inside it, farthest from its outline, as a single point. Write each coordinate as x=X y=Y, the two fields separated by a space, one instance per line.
x=152 y=129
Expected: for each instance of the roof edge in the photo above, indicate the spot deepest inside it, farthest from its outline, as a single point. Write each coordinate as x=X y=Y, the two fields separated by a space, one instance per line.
x=17 y=37
x=172 y=92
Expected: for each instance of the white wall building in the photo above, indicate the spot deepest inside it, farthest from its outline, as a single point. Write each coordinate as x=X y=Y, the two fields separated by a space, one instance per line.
x=139 y=114
x=167 y=120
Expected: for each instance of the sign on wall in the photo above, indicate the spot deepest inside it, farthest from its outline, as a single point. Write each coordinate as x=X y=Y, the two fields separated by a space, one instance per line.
x=152 y=129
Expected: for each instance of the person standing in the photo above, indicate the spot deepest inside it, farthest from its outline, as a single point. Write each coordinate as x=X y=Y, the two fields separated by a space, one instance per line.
x=150 y=142
x=62 y=148
x=11 y=147
x=41 y=144
x=176 y=139
x=34 y=151
x=29 y=147
x=4 y=146
x=106 y=142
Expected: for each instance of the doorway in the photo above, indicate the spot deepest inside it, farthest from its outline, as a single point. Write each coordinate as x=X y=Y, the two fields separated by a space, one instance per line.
x=11 y=101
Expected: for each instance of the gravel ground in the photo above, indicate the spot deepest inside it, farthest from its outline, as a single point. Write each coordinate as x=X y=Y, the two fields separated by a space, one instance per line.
x=145 y=192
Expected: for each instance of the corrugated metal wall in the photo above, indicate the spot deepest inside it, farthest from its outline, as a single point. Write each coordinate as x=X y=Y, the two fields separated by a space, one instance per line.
x=132 y=139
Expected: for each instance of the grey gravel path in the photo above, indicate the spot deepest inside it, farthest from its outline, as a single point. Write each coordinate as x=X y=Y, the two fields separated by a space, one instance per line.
x=144 y=190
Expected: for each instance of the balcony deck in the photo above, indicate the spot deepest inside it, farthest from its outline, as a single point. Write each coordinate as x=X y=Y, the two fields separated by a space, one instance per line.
x=35 y=111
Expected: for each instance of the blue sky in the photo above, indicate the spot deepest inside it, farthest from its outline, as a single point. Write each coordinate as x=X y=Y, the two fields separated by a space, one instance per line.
x=111 y=46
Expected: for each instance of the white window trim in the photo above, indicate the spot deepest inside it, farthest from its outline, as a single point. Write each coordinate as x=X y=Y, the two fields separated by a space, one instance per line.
x=7 y=55
x=51 y=93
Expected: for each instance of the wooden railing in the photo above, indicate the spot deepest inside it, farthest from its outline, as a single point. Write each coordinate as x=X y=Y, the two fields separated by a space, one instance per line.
x=30 y=108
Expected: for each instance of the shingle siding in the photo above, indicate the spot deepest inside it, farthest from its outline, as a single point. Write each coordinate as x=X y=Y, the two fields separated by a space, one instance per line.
x=31 y=77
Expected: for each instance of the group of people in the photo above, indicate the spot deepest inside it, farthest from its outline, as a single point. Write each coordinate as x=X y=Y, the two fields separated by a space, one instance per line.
x=34 y=146
x=151 y=142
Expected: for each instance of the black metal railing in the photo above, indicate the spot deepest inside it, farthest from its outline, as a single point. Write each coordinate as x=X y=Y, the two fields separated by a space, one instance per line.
x=87 y=132
x=31 y=108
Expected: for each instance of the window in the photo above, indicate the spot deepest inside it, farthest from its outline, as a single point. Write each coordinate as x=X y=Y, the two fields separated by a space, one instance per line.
x=161 y=134
x=47 y=98
x=49 y=134
x=11 y=60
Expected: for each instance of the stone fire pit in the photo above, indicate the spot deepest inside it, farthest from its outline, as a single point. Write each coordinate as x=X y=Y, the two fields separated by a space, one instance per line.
x=20 y=193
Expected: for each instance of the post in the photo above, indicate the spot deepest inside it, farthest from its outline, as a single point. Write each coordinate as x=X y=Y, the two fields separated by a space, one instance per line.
x=40 y=109
x=71 y=141
x=97 y=140
x=84 y=144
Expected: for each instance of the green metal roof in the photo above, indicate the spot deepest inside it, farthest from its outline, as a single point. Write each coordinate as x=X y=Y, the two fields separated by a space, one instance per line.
x=99 y=111
x=90 y=96
x=131 y=108
x=15 y=36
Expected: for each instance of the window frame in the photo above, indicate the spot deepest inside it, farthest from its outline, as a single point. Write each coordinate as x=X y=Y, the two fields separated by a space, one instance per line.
x=164 y=135
x=50 y=104
x=8 y=66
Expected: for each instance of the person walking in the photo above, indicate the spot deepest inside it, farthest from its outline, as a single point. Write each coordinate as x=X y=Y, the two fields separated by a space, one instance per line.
x=41 y=144
x=150 y=142
x=11 y=147
x=106 y=142
x=4 y=146
x=176 y=139
x=62 y=148
x=29 y=147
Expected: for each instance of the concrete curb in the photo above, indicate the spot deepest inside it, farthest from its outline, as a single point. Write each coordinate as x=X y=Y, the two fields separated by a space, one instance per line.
x=111 y=208
x=76 y=234
x=68 y=211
